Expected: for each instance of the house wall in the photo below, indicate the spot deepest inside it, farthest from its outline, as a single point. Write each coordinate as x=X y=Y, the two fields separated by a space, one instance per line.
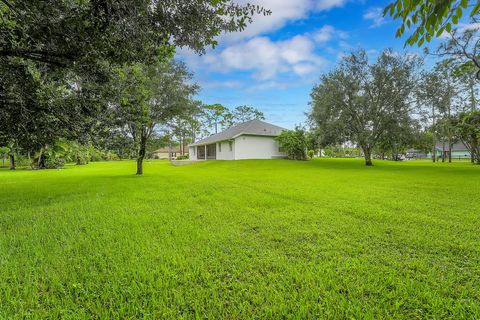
x=225 y=153
x=160 y=155
x=167 y=155
x=462 y=154
x=192 y=153
x=256 y=147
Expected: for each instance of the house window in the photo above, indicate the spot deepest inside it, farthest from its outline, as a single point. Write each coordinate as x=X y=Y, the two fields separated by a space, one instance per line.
x=219 y=147
x=230 y=145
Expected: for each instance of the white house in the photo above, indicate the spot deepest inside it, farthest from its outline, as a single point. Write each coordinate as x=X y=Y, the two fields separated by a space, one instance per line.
x=253 y=139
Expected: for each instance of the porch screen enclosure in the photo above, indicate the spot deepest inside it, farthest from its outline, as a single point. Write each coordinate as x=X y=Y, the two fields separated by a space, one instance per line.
x=208 y=152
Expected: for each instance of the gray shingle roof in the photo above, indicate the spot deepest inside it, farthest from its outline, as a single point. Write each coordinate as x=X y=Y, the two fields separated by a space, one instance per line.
x=252 y=127
x=455 y=147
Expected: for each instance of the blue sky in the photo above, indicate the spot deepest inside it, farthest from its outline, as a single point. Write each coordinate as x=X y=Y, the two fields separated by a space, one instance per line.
x=275 y=62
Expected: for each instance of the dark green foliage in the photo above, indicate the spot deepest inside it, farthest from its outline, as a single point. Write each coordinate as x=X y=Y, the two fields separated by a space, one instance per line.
x=148 y=96
x=467 y=127
x=365 y=103
x=429 y=18
x=335 y=151
x=61 y=33
x=293 y=143
x=182 y=157
x=311 y=153
x=245 y=113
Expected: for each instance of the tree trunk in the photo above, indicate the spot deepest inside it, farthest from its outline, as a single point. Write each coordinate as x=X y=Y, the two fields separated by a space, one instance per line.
x=434 y=151
x=443 y=151
x=30 y=162
x=473 y=101
x=12 y=160
x=368 y=156
x=141 y=154
x=40 y=162
x=183 y=144
x=450 y=150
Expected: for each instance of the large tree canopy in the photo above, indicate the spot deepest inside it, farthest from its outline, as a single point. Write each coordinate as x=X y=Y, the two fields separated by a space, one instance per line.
x=361 y=103
x=67 y=31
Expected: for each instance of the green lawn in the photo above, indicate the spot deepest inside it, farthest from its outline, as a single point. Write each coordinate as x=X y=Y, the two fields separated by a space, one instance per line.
x=242 y=239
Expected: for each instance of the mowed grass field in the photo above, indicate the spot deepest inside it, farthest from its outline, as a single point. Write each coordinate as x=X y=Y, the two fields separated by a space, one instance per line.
x=271 y=239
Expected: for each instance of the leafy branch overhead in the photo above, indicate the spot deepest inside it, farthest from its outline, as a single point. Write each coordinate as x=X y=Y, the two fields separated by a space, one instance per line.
x=62 y=32
x=429 y=18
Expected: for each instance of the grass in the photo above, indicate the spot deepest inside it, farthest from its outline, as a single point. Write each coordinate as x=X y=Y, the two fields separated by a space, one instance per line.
x=243 y=239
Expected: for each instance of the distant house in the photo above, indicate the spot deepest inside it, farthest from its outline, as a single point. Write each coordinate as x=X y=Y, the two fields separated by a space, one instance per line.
x=253 y=139
x=167 y=153
x=459 y=151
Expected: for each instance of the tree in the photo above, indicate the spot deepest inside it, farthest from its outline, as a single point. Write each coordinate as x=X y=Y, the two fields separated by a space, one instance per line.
x=186 y=124
x=243 y=114
x=294 y=143
x=429 y=18
x=36 y=111
x=399 y=134
x=357 y=102
x=437 y=91
x=217 y=114
x=4 y=152
x=423 y=141
x=461 y=49
x=150 y=95
x=85 y=32
x=467 y=127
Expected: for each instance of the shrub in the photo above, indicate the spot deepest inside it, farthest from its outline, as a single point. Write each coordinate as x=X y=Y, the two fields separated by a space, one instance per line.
x=311 y=153
x=54 y=163
x=182 y=157
x=294 y=143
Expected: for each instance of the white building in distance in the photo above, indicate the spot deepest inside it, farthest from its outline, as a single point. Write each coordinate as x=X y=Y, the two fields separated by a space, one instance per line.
x=253 y=139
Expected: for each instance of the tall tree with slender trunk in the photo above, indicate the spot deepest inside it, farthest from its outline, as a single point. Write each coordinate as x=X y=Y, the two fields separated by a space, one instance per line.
x=243 y=114
x=436 y=93
x=149 y=96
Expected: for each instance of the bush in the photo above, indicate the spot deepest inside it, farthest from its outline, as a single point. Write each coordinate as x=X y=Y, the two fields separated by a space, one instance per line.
x=182 y=157
x=54 y=163
x=311 y=153
x=294 y=143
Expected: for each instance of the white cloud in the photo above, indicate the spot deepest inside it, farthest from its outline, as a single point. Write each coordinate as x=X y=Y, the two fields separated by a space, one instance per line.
x=283 y=11
x=375 y=15
x=272 y=63
x=324 y=34
x=295 y=58
x=329 y=4
x=229 y=84
x=327 y=33
x=267 y=58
